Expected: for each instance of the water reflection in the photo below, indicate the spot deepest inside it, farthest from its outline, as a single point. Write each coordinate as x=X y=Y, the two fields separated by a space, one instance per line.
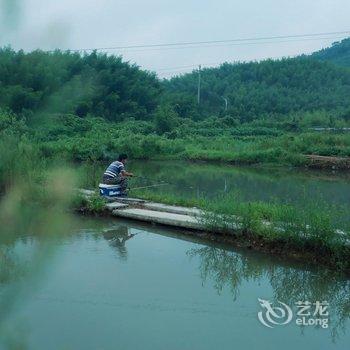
x=236 y=271
x=286 y=185
x=10 y=268
x=117 y=238
x=192 y=180
x=290 y=284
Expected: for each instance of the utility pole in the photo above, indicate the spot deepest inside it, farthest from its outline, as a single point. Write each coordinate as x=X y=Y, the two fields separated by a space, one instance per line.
x=199 y=85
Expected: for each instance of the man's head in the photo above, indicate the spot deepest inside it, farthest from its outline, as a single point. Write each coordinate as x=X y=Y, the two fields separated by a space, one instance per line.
x=122 y=158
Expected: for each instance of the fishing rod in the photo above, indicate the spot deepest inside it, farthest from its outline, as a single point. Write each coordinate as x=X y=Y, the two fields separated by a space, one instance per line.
x=140 y=188
x=166 y=183
x=142 y=177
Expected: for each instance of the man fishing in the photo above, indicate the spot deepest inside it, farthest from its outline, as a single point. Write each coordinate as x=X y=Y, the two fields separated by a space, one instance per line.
x=116 y=174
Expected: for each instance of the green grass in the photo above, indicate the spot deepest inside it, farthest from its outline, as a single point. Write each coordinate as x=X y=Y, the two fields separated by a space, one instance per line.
x=103 y=141
x=71 y=138
x=95 y=204
x=312 y=228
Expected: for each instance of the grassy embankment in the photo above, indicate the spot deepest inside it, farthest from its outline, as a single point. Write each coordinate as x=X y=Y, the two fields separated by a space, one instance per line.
x=314 y=233
x=73 y=139
x=310 y=233
x=93 y=139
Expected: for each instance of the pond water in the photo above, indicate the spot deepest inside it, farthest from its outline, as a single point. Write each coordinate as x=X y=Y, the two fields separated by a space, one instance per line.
x=115 y=284
x=90 y=283
x=300 y=187
x=203 y=179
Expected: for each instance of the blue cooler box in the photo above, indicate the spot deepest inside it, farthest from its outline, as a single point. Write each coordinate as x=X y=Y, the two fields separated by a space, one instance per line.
x=110 y=190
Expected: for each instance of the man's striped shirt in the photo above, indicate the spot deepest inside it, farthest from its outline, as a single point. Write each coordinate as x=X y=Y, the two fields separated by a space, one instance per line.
x=114 y=169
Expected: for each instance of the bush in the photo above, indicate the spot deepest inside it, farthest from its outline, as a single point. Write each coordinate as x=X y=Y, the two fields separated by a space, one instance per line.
x=165 y=119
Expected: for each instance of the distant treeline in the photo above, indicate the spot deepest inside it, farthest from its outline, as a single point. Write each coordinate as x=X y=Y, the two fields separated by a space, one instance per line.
x=338 y=53
x=261 y=89
x=105 y=86
x=63 y=82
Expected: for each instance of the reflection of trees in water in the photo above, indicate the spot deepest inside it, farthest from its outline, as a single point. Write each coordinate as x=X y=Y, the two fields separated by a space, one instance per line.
x=290 y=284
x=9 y=266
x=221 y=266
x=117 y=238
x=13 y=271
x=197 y=180
x=192 y=179
x=323 y=285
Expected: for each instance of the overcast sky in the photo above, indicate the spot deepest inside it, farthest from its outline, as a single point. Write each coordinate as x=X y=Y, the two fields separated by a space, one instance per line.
x=75 y=24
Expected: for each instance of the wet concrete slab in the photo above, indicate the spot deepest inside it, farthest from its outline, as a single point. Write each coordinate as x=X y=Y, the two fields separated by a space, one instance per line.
x=164 y=218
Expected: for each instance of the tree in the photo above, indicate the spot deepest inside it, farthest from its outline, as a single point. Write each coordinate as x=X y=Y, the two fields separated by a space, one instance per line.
x=165 y=119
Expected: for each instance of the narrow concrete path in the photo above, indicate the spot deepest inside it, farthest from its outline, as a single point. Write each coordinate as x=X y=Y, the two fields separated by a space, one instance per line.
x=147 y=211
x=171 y=215
x=142 y=210
x=160 y=217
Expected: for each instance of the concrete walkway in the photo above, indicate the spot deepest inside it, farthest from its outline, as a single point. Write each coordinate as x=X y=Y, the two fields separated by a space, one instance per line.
x=142 y=210
x=171 y=215
x=160 y=217
x=147 y=211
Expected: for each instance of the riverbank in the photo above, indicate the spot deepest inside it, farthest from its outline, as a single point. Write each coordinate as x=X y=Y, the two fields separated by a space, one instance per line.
x=268 y=228
x=245 y=145
x=324 y=162
x=68 y=138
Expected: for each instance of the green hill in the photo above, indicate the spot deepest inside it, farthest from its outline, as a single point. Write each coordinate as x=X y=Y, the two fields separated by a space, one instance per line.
x=92 y=106
x=338 y=53
x=105 y=86
x=261 y=89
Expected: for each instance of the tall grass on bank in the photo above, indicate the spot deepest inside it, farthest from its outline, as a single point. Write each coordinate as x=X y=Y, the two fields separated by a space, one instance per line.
x=92 y=139
x=315 y=223
x=103 y=141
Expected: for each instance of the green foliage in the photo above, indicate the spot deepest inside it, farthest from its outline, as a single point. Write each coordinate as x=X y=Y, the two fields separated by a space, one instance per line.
x=20 y=158
x=105 y=86
x=312 y=228
x=64 y=82
x=165 y=119
x=92 y=107
x=94 y=204
x=338 y=53
x=274 y=88
x=71 y=138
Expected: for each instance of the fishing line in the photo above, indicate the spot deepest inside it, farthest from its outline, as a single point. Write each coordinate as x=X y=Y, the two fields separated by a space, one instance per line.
x=140 y=188
x=167 y=183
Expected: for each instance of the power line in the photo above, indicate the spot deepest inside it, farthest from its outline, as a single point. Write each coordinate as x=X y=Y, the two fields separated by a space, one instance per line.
x=184 y=69
x=216 y=63
x=227 y=41
x=231 y=44
x=170 y=70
